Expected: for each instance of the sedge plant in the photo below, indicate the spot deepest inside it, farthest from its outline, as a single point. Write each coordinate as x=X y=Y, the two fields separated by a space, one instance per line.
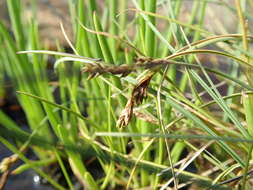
x=136 y=97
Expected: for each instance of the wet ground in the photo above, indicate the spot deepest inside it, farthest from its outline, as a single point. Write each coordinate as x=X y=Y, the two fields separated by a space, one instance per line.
x=26 y=180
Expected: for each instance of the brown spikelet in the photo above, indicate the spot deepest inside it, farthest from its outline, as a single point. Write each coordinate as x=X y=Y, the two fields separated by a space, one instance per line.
x=140 y=90
x=97 y=69
x=138 y=94
x=126 y=114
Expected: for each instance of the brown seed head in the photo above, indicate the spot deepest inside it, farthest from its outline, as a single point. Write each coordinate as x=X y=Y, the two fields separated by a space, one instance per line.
x=126 y=114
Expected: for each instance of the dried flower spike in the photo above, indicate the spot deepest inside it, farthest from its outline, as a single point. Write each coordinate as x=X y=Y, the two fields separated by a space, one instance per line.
x=99 y=69
x=138 y=94
x=140 y=90
x=126 y=114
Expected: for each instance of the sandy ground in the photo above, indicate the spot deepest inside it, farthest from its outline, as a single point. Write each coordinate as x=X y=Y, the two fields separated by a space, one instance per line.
x=51 y=12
